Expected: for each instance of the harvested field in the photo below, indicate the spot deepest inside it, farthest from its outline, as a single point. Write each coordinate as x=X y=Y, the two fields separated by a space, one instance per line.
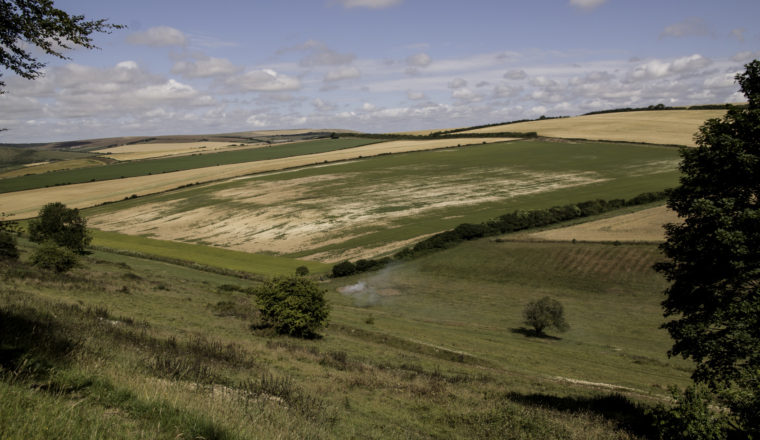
x=147 y=151
x=24 y=204
x=667 y=127
x=297 y=215
x=641 y=226
x=365 y=208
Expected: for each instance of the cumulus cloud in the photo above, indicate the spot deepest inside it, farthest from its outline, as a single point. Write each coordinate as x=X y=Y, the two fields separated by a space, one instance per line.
x=690 y=27
x=158 y=36
x=419 y=60
x=371 y=4
x=515 y=75
x=658 y=68
x=457 y=83
x=265 y=80
x=587 y=4
x=415 y=96
x=322 y=106
x=205 y=67
x=348 y=72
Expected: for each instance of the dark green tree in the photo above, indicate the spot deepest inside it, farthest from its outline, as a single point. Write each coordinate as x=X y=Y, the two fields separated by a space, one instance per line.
x=545 y=313
x=8 y=247
x=293 y=305
x=714 y=256
x=64 y=226
x=26 y=24
x=302 y=271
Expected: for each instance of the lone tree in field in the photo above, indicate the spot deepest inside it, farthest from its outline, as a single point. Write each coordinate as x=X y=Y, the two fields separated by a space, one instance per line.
x=61 y=225
x=714 y=256
x=545 y=313
x=293 y=306
x=29 y=24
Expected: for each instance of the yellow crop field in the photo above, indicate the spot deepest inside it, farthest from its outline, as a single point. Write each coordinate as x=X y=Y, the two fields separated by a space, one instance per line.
x=642 y=226
x=147 y=151
x=27 y=203
x=671 y=127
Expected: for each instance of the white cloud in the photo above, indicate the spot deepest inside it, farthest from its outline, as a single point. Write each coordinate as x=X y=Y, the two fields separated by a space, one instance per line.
x=419 y=60
x=457 y=83
x=587 y=4
x=343 y=73
x=205 y=68
x=371 y=4
x=415 y=96
x=170 y=90
x=158 y=36
x=266 y=80
x=322 y=106
x=658 y=68
x=690 y=27
x=515 y=75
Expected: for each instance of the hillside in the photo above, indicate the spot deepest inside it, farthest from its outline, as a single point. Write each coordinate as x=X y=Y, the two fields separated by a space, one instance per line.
x=670 y=127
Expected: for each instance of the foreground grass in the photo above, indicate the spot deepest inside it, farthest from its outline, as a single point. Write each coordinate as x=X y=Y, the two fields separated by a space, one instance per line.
x=130 y=348
x=166 y=165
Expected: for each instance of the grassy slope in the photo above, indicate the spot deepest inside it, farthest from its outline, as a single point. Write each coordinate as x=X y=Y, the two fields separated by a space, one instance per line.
x=12 y=158
x=157 y=166
x=443 y=358
x=206 y=255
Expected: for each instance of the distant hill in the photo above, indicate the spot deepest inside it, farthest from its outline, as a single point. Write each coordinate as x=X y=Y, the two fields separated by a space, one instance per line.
x=668 y=127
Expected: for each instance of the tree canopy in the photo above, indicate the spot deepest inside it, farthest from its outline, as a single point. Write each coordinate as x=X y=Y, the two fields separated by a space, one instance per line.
x=714 y=255
x=293 y=305
x=545 y=313
x=28 y=23
x=61 y=225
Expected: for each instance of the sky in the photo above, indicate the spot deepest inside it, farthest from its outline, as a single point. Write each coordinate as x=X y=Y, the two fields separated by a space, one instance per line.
x=194 y=67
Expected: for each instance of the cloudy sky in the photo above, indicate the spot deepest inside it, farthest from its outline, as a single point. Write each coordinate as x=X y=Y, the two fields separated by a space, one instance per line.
x=377 y=65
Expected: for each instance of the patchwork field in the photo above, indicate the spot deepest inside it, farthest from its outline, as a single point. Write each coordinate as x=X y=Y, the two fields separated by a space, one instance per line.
x=26 y=203
x=669 y=127
x=645 y=225
x=148 y=151
x=374 y=206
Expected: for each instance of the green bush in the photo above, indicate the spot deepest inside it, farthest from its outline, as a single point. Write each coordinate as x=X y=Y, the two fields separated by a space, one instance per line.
x=293 y=306
x=343 y=269
x=691 y=418
x=53 y=257
x=545 y=313
x=62 y=225
x=8 y=249
x=302 y=271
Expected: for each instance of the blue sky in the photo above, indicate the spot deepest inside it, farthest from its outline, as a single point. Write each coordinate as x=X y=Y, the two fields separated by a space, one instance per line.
x=377 y=65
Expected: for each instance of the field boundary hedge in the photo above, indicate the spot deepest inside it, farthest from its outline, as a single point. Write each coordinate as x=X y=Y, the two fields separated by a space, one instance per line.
x=511 y=222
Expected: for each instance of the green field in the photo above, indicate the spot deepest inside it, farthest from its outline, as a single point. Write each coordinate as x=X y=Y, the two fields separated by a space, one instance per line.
x=361 y=208
x=166 y=165
x=16 y=157
x=128 y=348
x=267 y=265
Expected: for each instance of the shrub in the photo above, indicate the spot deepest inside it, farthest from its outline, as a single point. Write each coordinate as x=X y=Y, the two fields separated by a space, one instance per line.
x=343 y=269
x=545 y=313
x=53 y=257
x=691 y=418
x=302 y=271
x=8 y=249
x=293 y=306
x=62 y=225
